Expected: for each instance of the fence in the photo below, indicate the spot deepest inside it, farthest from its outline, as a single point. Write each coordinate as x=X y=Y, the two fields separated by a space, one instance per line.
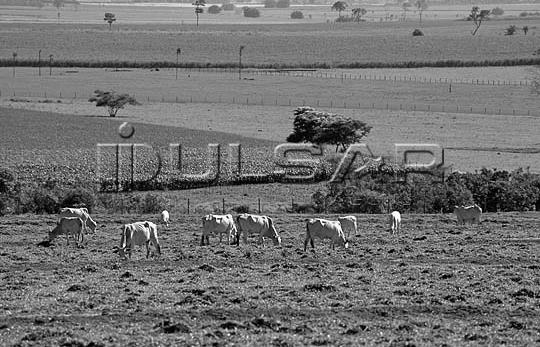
x=261 y=100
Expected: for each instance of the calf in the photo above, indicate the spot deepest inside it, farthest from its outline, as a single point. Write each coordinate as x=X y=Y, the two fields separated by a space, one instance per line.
x=164 y=217
x=468 y=214
x=138 y=234
x=82 y=213
x=68 y=226
x=324 y=229
x=261 y=225
x=219 y=224
x=395 y=221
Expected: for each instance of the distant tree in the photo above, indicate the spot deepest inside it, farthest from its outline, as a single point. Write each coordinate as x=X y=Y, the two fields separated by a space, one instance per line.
x=199 y=8
x=110 y=18
x=214 y=9
x=283 y=3
x=525 y=29
x=357 y=13
x=477 y=16
x=251 y=12
x=421 y=6
x=511 y=30
x=269 y=3
x=339 y=6
x=326 y=128
x=58 y=4
x=405 y=7
x=497 y=11
x=297 y=15
x=417 y=32
x=228 y=7
x=112 y=100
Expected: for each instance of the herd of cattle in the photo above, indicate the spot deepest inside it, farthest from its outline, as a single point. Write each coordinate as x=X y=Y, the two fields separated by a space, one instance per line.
x=76 y=222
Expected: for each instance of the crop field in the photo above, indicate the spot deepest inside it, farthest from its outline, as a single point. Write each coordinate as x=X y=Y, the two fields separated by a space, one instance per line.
x=434 y=284
x=270 y=45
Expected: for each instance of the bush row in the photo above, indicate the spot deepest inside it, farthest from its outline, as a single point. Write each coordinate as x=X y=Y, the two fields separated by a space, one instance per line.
x=228 y=65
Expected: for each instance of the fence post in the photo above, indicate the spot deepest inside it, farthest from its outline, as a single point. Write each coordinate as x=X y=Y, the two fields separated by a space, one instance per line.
x=223 y=205
x=259 y=203
x=188 y=206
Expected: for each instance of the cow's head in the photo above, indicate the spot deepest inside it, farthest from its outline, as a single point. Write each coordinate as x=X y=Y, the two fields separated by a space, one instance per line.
x=277 y=240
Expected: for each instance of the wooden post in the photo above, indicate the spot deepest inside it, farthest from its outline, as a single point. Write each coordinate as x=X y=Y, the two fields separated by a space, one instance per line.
x=223 y=205
x=188 y=206
x=259 y=203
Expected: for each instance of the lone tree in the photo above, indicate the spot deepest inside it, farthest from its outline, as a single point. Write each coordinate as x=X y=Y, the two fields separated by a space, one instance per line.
x=405 y=7
x=339 y=6
x=525 y=29
x=326 y=128
x=199 y=8
x=358 y=13
x=112 y=100
x=421 y=6
x=110 y=18
x=477 y=16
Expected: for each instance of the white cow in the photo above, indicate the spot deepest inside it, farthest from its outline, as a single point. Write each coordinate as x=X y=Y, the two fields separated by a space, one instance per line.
x=348 y=225
x=325 y=229
x=82 y=213
x=468 y=214
x=394 y=221
x=261 y=225
x=219 y=224
x=138 y=234
x=164 y=217
x=68 y=226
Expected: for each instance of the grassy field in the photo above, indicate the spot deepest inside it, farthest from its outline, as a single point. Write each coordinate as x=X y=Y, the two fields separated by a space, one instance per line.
x=291 y=44
x=434 y=284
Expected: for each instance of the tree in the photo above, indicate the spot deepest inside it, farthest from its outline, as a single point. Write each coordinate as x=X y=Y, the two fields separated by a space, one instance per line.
x=405 y=7
x=297 y=15
x=112 y=100
x=339 y=6
x=511 y=30
x=497 y=11
x=358 y=13
x=214 y=9
x=326 y=128
x=421 y=6
x=283 y=3
x=525 y=29
x=251 y=12
x=477 y=16
x=269 y=3
x=58 y=4
x=110 y=18
x=198 y=8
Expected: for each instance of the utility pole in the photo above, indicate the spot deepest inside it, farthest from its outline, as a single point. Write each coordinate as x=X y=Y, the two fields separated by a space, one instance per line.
x=240 y=63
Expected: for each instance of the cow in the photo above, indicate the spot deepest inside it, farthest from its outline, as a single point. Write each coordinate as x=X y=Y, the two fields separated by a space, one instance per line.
x=470 y=214
x=348 y=224
x=261 y=225
x=82 y=213
x=324 y=229
x=164 y=217
x=138 y=234
x=219 y=224
x=68 y=226
x=394 y=222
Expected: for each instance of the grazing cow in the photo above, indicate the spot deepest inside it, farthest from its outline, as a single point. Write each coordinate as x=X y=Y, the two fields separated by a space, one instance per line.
x=138 y=234
x=69 y=226
x=468 y=214
x=325 y=229
x=164 y=217
x=394 y=221
x=219 y=224
x=348 y=224
x=253 y=224
x=82 y=213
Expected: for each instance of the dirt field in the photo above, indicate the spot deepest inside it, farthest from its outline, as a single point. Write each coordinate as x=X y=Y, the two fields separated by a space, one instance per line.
x=434 y=284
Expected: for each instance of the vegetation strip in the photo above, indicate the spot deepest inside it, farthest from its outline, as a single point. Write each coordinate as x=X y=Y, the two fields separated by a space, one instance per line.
x=226 y=65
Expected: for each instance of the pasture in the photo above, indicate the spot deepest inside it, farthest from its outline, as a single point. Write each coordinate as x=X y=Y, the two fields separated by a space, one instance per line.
x=436 y=283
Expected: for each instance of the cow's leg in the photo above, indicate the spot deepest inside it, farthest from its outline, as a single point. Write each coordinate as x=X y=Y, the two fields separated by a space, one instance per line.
x=312 y=243
x=147 y=244
x=207 y=240
x=202 y=240
x=305 y=243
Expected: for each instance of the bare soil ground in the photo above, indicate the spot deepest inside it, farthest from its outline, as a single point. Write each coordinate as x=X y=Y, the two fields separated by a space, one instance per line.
x=434 y=284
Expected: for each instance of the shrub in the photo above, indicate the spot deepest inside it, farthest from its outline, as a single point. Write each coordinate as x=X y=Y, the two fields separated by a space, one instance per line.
x=241 y=209
x=214 y=9
x=7 y=181
x=269 y=3
x=79 y=197
x=344 y=19
x=251 y=12
x=523 y=14
x=112 y=100
x=497 y=11
x=297 y=15
x=283 y=3
x=228 y=7
x=153 y=203
x=511 y=30
x=417 y=32
x=37 y=200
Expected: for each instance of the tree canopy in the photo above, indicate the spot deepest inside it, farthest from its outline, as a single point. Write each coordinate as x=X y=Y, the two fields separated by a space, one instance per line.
x=339 y=6
x=112 y=100
x=326 y=128
x=477 y=16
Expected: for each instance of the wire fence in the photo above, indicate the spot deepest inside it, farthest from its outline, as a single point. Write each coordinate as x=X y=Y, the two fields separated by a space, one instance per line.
x=260 y=100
